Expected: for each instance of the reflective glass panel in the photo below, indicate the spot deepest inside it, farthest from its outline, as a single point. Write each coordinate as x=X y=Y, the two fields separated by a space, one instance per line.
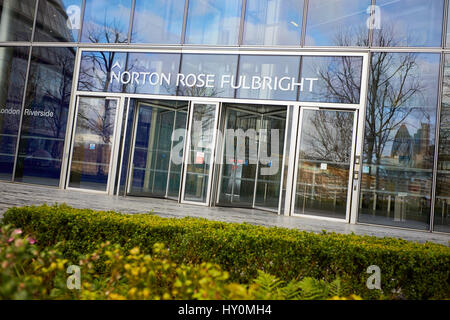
x=106 y=21
x=200 y=152
x=331 y=79
x=441 y=210
x=58 y=20
x=408 y=23
x=240 y=158
x=399 y=140
x=45 y=115
x=271 y=142
x=103 y=71
x=208 y=75
x=268 y=77
x=163 y=17
x=273 y=22
x=337 y=23
x=214 y=22
x=92 y=143
x=152 y=73
x=152 y=169
x=324 y=163
x=13 y=64
x=16 y=19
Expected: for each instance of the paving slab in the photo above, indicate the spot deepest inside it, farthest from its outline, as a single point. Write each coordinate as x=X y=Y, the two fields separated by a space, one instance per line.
x=18 y=194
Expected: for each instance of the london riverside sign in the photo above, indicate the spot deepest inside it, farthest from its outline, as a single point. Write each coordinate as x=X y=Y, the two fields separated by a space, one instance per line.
x=204 y=80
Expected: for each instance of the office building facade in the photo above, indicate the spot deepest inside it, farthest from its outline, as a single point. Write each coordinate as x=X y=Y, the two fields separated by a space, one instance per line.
x=334 y=110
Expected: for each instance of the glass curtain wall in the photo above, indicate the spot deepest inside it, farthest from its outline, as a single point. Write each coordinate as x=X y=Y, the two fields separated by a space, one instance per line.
x=397 y=171
x=45 y=115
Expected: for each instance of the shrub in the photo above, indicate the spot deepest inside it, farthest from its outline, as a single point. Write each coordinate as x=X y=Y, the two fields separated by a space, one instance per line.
x=29 y=272
x=408 y=270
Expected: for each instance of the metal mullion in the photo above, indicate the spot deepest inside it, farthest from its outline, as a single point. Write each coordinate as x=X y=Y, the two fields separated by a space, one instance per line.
x=33 y=31
x=437 y=142
x=305 y=17
x=183 y=30
x=444 y=24
x=370 y=39
x=82 y=20
x=130 y=25
x=241 y=25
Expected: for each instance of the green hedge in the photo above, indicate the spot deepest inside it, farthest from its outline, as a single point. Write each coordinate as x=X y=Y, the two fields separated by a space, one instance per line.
x=414 y=271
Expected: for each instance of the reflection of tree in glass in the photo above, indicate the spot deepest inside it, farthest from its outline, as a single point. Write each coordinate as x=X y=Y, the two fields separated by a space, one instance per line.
x=329 y=136
x=95 y=71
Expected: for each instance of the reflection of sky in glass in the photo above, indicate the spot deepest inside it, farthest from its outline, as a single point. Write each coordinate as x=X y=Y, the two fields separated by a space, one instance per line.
x=339 y=79
x=410 y=22
x=58 y=21
x=273 y=22
x=213 y=22
x=73 y=11
x=158 y=21
x=216 y=65
x=337 y=23
x=161 y=63
x=106 y=21
x=268 y=66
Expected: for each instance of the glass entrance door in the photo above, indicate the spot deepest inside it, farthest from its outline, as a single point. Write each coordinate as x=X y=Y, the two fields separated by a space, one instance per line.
x=93 y=143
x=156 y=157
x=324 y=167
x=251 y=168
x=199 y=156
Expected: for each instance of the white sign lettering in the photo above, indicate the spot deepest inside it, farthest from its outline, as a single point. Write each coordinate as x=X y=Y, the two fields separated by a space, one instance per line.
x=203 y=80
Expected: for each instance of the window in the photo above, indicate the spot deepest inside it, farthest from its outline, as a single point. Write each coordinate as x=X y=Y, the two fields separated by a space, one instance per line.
x=213 y=75
x=13 y=63
x=337 y=23
x=163 y=18
x=16 y=19
x=58 y=21
x=157 y=73
x=214 y=22
x=106 y=21
x=97 y=70
x=399 y=139
x=268 y=77
x=273 y=22
x=331 y=79
x=409 y=23
x=45 y=115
